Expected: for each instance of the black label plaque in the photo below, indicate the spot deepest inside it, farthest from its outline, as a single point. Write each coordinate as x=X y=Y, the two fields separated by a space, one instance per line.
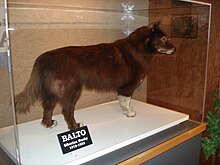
x=75 y=139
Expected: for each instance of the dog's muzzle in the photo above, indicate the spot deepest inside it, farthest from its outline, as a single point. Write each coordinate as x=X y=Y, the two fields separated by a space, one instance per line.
x=166 y=51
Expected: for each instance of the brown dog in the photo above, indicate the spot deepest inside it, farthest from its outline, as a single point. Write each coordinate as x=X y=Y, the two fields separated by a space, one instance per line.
x=59 y=75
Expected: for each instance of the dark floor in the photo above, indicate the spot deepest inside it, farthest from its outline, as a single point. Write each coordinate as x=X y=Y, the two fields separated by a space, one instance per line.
x=4 y=159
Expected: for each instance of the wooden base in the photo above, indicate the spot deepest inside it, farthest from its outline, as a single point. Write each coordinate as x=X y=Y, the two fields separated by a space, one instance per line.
x=159 y=149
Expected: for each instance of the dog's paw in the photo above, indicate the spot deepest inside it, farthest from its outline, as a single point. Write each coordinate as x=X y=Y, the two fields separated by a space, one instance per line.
x=54 y=124
x=130 y=113
x=81 y=124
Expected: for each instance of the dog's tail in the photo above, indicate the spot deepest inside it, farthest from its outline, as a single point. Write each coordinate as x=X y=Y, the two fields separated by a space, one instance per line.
x=30 y=94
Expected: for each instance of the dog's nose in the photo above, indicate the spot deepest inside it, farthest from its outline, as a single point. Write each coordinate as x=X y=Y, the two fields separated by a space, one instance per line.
x=171 y=51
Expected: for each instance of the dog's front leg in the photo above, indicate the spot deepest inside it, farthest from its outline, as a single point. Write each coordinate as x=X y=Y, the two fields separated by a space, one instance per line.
x=125 y=103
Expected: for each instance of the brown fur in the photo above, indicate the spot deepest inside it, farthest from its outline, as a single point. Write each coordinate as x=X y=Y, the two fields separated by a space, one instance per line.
x=59 y=75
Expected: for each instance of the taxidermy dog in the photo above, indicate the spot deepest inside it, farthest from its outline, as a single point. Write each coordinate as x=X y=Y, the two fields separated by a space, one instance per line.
x=59 y=75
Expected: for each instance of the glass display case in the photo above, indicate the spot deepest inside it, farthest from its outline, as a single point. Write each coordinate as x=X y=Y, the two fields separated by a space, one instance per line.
x=173 y=83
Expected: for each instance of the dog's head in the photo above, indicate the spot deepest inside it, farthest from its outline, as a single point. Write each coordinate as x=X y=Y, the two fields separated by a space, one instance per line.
x=157 y=40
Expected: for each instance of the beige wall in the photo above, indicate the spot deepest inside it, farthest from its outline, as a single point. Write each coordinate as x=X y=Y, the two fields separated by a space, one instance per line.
x=38 y=29
x=6 y=115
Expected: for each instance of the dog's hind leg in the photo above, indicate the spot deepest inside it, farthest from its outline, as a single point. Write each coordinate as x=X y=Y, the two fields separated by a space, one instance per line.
x=69 y=106
x=49 y=106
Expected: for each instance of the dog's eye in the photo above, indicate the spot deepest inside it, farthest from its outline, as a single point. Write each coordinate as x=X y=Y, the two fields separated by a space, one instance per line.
x=164 y=39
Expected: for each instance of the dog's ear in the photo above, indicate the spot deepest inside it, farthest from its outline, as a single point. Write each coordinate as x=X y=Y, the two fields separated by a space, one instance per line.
x=157 y=24
x=154 y=25
x=151 y=26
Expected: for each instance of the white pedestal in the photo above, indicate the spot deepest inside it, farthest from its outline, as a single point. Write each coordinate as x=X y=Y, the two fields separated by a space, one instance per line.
x=108 y=127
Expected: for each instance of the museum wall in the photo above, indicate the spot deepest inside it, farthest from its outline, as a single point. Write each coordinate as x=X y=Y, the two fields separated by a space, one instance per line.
x=7 y=117
x=40 y=26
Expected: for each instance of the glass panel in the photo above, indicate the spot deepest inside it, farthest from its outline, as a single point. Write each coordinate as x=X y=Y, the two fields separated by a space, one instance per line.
x=37 y=27
x=178 y=82
x=9 y=151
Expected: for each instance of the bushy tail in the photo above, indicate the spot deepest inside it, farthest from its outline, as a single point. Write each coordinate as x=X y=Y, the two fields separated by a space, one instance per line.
x=30 y=94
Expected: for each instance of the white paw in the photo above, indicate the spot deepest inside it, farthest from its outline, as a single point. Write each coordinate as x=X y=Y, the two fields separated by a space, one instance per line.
x=125 y=104
x=55 y=123
x=81 y=124
x=130 y=113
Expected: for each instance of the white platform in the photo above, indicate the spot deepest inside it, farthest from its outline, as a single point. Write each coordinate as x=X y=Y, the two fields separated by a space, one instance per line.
x=108 y=127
